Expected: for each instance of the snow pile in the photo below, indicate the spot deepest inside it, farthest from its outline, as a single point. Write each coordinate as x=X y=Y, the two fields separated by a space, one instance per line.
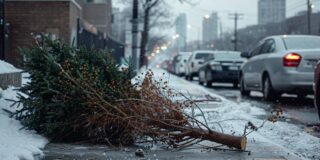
x=16 y=143
x=7 y=68
x=233 y=117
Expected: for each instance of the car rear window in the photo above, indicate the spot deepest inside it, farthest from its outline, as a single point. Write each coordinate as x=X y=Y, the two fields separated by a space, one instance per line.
x=227 y=56
x=202 y=55
x=302 y=42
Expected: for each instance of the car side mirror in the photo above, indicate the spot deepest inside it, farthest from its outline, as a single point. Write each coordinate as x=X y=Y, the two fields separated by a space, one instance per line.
x=245 y=55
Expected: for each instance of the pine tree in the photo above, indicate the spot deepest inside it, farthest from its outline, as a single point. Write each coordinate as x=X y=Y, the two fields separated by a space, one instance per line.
x=55 y=106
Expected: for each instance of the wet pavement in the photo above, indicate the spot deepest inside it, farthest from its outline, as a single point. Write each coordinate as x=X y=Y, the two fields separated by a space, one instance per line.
x=300 y=112
x=101 y=152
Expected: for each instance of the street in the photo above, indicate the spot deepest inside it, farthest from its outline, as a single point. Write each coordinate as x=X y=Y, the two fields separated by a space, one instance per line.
x=300 y=112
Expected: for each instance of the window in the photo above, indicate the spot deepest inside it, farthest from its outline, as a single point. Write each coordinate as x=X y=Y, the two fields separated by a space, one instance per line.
x=307 y=42
x=202 y=55
x=268 y=46
x=256 y=51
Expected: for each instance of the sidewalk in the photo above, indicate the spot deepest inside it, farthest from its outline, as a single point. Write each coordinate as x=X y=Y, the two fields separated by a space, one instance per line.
x=274 y=141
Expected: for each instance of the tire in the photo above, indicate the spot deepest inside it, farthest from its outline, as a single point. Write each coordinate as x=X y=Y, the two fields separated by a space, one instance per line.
x=243 y=90
x=268 y=93
x=201 y=83
x=191 y=78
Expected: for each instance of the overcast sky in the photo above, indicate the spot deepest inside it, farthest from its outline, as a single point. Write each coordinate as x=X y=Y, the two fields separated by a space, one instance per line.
x=249 y=8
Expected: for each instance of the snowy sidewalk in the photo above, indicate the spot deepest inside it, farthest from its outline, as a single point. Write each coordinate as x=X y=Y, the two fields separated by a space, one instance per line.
x=274 y=141
x=16 y=143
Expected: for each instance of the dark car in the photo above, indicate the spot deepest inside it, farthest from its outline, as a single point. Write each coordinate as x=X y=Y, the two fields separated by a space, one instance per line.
x=224 y=67
x=316 y=88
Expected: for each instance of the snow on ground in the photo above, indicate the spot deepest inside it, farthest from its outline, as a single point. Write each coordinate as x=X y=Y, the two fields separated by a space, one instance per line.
x=7 y=68
x=15 y=142
x=234 y=116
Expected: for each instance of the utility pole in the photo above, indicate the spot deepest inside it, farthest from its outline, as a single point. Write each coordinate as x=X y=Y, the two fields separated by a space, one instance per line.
x=236 y=16
x=309 y=16
x=135 y=31
x=2 y=30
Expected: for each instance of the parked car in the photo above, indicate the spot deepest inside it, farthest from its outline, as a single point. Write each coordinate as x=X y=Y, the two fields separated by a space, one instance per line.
x=316 y=88
x=175 y=61
x=167 y=65
x=195 y=61
x=223 y=67
x=181 y=62
x=281 y=64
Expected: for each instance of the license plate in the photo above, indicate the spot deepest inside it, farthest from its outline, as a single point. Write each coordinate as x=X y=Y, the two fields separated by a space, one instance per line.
x=233 y=68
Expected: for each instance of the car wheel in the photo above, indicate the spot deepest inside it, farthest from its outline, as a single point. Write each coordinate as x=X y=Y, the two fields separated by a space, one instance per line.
x=186 y=77
x=191 y=78
x=268 y=93
x=243 y=90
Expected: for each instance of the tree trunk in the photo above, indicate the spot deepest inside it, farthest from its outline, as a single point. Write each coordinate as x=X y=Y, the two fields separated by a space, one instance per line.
x=225 y=139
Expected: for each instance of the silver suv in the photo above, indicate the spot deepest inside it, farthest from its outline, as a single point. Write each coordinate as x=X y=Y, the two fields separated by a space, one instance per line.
x=281 y=64
x=195 y=61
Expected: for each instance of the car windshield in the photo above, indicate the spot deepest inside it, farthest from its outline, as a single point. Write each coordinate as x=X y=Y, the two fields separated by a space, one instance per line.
x=228 y=56
x=202 y=55
x=302 y=42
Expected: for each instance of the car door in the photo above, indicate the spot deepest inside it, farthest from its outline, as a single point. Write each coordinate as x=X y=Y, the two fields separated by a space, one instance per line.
x=248 y=68
x=259 y=64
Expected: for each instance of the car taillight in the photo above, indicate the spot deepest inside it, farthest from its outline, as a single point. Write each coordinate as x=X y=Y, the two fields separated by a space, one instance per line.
x=192 y=65
x=291 y=60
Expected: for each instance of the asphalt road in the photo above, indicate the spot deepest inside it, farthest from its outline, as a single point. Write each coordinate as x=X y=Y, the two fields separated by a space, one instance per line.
x=300 y=112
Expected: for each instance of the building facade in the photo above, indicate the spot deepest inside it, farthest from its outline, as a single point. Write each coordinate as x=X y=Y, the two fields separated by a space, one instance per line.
x=99 y=14
x=26 y=17
x=181 y=30
x=271 y=11
x=210 y=28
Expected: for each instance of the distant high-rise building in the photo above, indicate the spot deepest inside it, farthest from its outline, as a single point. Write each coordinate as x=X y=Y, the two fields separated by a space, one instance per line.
x=271 y=11
x=210 y=28
x=181 y=30
x=116 y=24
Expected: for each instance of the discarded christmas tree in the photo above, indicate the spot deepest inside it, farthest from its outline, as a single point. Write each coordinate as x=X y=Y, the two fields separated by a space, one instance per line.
x=82 y=95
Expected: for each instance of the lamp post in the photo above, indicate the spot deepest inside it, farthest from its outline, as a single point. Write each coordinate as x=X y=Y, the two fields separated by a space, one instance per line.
x=2 y=30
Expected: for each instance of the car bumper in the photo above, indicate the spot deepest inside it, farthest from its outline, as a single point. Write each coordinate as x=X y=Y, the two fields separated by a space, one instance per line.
x=294 y=82
x=224 y=76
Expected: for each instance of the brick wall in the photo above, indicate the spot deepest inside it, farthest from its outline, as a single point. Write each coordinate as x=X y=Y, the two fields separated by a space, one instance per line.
x=26 y=17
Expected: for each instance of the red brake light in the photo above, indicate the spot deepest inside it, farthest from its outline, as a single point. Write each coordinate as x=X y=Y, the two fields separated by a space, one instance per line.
x=291 y=60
